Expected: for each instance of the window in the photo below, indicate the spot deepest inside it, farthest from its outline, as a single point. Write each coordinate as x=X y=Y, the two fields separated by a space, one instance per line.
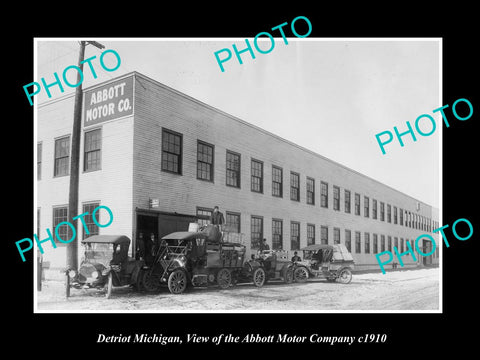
x=395 y=242
x=390 y=243
x=277 y=234
x=375 y=243
x=348 y=240
x=256 y=231
x=374 y=209
x=88 y=219
x=412 y=245
x=294 y=186
x=367 y=243
x=60 y=214
x=62 y=156
x=232 y=221
x=294 y=235
x=336 y=235
x=395 y=215
x=310 y=191
x=171 y=151
x=401 y=245
x=336 y=198
x=203 y=215
x=389 y=213
x=382 y=243
x=310 y=234
x=205 y=158
x=257 y=176
x=382 y=211
x=366 y=206
x=358 y=243
x=233 y=169
x=39 y=161
x=357 y=204
x=323 y=235
x=401 y=216
x=347 y=201
x=93 y=150
x=324 y=194
x=277 y=181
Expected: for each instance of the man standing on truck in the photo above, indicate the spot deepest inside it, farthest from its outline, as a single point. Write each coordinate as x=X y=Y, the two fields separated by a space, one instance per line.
x=216 y=218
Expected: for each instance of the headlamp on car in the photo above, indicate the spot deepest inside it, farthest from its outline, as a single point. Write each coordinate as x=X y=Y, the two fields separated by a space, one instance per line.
x=181 y=260
x=72 y=273
x=95 y=274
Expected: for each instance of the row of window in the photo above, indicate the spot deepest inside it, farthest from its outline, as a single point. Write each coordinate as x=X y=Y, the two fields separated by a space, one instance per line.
x=60 y=214
x=61 y=163
x=232 y=220
x=172 y=148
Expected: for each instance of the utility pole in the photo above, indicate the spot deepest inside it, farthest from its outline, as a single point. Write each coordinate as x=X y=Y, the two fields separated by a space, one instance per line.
x=72 y=247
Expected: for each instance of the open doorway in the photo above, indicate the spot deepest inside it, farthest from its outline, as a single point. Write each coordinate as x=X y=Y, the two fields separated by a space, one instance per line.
x=146 y=226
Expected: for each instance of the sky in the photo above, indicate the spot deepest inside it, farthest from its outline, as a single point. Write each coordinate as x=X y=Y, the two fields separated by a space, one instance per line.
x=331 y=96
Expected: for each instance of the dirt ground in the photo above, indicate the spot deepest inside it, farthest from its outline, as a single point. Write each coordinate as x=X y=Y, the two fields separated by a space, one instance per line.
x=398 y=290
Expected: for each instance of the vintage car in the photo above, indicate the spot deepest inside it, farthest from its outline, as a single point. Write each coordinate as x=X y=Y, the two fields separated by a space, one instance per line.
x=275 y=264
x=194 y=258
x=333 y=262
x=105 y=264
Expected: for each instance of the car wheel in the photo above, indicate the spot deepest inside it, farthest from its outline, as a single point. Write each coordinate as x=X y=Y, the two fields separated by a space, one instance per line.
x=149 y=282
x=224 y=278
x=300 y=274
x=259 y=277
x=345 y=276
x=288 y=275
x=177 y=281
x=67 y=285
x=109 y=285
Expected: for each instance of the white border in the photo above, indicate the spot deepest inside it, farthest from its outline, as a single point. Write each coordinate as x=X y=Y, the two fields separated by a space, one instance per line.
x=35 y=107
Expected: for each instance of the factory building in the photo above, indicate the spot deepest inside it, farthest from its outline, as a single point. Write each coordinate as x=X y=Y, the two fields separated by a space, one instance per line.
x=160 y=159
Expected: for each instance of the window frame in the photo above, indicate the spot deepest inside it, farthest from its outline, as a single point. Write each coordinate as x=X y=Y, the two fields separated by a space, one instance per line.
x=336 y=197
x=274 y=177
x=293 y=225
x=309 y=234
x=211 y=165
x=55 y=158
x=310 y=182
x=324 y=194
x=348 y=199
x=358 y=205
x=235 y=171
x=179 y=156
x=276 y=241
x=85 y=152
x=294 y=174
x=252 y=218
x=252 y=176
x=324 y=231
x=233 y=214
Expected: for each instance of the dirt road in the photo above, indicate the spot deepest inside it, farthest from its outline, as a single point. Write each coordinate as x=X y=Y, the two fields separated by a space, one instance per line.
x=399 y=290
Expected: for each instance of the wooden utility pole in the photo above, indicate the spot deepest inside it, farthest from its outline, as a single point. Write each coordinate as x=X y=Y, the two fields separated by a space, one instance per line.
x=72 y=247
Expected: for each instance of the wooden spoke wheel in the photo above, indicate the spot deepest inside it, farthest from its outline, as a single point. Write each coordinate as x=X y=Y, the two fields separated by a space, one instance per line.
x=224 y=278
x=345 y=276
x=300 y=274
x=177 y=281
x=149 y=282
x=259 y=277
